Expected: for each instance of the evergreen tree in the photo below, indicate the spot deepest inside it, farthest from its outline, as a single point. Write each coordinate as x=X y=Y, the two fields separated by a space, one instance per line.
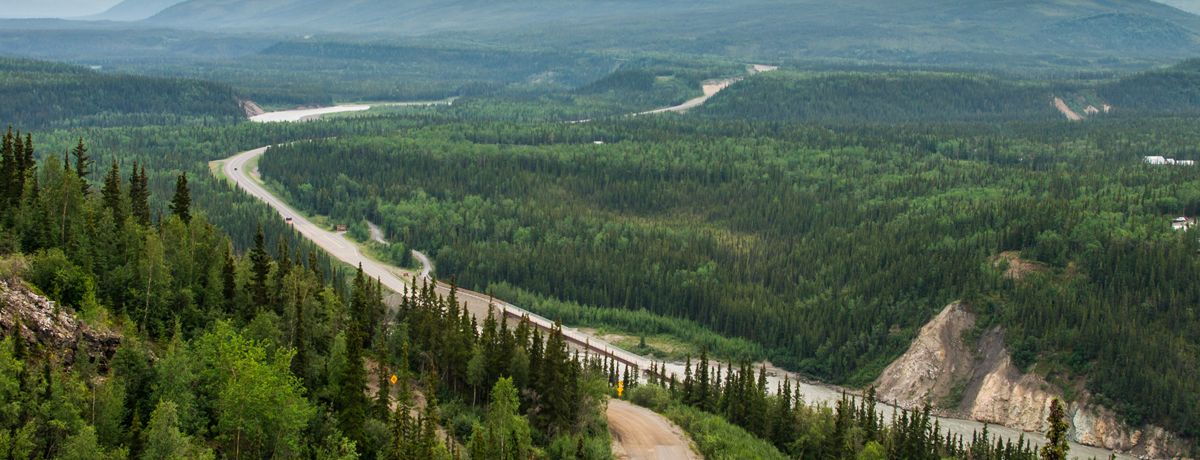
x=1056 y=447
x=181 y=203
x=352 y=404
x=8 y=168
x=229 y=282
x=83 y=165
x=111 y=194
x=260 y=268
x=139 y=195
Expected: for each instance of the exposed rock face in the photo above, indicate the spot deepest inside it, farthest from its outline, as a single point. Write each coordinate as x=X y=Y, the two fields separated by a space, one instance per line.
x=50 y=327
x=937 y=357
x=250 y=108
x=983 y=384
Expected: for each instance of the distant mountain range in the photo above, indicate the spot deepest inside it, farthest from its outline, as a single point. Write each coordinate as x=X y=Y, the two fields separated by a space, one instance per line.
x=1191 y=6
x=896 y=30
x=135 y=10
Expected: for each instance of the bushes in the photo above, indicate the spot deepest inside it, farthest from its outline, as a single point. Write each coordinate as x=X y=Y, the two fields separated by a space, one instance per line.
x=719 y=439
x=653 y=397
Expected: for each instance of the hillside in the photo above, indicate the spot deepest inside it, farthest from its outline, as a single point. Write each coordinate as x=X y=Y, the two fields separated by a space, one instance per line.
x=39 y=94
x=895 y=97
x=1056 y=32
x=1173 y=90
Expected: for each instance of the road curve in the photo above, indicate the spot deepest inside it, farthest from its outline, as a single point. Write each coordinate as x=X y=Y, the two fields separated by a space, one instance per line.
x=336 y=244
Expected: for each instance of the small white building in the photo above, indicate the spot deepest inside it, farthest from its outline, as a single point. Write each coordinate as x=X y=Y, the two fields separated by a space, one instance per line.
x=1091 y=110
x=1159 y=160
x=1183 y=223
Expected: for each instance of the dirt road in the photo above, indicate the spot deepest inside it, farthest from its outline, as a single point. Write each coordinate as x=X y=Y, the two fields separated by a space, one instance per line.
x=641 y=434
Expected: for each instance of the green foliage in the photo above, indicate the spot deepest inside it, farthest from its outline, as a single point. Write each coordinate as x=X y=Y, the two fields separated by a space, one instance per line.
x=873 y=97
x=1174 y=90
x=640 y=322
x=39 y=95
x=717 y=438
x=505 y=434
x=260 y=406
x=164 y=440
x=654 y=397
x=1056 y=447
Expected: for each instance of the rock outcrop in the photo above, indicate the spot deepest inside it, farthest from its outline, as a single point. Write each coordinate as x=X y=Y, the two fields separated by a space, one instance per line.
x=52 y=328
x=250 y=108
x=979 y=381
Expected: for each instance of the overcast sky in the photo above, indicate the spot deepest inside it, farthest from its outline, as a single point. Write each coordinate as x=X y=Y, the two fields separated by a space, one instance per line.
x=53 y=8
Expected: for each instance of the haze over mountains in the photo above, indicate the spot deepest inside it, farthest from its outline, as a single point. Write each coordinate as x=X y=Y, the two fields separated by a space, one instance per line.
x=895 y=30
x=135 y=10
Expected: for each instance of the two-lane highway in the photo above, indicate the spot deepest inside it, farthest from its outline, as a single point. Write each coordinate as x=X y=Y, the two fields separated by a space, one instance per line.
x=334 y=243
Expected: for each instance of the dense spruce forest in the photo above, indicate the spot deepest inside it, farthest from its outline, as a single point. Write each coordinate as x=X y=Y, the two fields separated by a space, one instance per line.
x=829 y=247
x=846 y=97
x=273 y=353
x=891 y=97
x=263 y=354
x=41 y=95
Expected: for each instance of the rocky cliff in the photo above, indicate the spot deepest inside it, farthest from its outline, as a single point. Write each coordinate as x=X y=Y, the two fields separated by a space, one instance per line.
x=979 y=381
x=51 y=328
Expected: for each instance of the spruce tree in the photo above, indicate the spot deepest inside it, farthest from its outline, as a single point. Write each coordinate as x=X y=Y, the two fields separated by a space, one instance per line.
x=181 y=203
x=83 y=165
x=1056 y=447
x=229 y=282
x=139 y=195
x=260 y=266
x=28 y=163
x=352 y=402
x=111 y=194
x=18 y=170
x=8 y=167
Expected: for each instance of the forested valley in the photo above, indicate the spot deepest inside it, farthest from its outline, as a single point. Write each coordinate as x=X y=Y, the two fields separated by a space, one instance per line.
x=709 y=220
x=812 y=218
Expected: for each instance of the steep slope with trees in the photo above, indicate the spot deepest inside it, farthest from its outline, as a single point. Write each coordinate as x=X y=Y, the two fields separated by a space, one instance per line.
x=259 y=355
x=40 y=94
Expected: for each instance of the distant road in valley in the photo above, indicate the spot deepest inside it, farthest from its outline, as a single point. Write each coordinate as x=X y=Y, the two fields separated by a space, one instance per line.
x=397 y=279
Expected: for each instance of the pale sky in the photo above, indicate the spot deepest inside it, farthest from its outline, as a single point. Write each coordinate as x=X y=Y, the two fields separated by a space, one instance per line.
x=53 y=8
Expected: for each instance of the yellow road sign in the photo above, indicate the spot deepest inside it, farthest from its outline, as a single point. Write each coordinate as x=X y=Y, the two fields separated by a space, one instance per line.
x=394 y=379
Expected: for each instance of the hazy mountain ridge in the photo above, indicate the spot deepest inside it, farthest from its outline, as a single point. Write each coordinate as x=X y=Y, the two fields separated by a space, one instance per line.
x=1191 y=6
x=135 y=10
x=752 y=28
